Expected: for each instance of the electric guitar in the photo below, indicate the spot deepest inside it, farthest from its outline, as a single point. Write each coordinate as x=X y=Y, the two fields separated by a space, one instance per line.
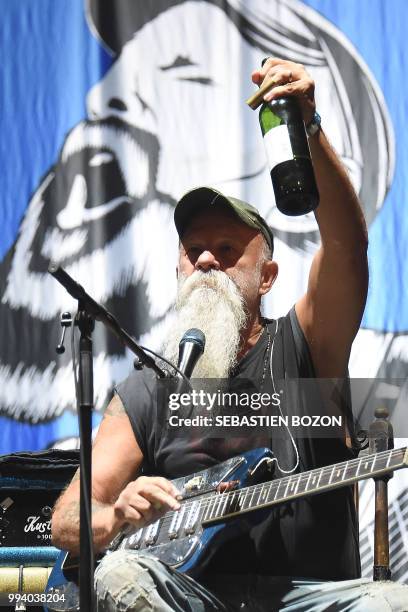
x=213 y=502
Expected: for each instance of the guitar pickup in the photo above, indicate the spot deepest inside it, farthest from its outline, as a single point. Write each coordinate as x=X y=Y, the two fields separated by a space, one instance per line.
x=134 y=540
x=152 y=533
x=192 y=518
x=176 y=523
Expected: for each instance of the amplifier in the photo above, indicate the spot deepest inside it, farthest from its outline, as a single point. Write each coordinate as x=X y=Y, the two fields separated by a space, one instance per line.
x=25 y=516
x=30 y=483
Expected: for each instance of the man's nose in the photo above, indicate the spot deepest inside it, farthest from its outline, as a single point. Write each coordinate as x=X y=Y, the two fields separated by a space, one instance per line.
x=207 y=261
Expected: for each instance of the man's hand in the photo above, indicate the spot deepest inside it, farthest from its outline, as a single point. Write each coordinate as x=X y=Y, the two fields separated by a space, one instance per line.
x=145 y=500
x=291 y=80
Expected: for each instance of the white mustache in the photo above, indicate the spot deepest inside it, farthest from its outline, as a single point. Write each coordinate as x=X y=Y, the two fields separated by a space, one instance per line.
x=213 y=279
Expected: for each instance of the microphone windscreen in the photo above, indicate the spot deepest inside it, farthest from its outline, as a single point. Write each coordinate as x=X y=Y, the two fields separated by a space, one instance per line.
x=194 y=335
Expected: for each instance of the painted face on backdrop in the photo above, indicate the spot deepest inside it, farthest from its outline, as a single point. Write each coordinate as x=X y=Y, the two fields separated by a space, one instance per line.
x=181 y=92
x=168 y=115
x=183 y=76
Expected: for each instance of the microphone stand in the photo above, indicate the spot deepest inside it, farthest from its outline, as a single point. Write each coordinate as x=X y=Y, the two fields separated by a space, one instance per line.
x=88 y=311
x=85 y=407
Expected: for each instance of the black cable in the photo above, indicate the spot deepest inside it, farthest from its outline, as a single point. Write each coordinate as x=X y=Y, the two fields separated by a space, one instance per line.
x=186 y=380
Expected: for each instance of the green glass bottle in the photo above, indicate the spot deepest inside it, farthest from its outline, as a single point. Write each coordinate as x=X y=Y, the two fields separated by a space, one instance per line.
x=288 y=154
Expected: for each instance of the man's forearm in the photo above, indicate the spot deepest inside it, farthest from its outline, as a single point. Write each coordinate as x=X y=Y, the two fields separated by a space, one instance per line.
x=339 y=214
x=65 y=526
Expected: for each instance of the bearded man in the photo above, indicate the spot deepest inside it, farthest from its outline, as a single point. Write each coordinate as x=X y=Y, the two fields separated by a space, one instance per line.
x=225 y=267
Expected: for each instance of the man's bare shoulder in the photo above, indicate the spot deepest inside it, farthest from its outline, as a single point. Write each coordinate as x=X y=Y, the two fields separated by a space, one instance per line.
x=115 y=408
x=115 y=426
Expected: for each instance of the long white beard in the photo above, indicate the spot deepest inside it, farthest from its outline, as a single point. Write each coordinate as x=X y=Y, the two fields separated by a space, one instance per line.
x=212 y=302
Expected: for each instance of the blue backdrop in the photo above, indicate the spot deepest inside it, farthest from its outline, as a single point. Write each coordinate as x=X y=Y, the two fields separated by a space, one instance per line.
x=51 y=60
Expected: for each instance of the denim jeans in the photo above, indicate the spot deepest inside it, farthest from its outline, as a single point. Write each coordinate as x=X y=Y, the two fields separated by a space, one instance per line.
x=127 y=581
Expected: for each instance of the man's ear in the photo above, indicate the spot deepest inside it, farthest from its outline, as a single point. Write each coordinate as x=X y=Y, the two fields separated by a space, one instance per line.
x=268 y=277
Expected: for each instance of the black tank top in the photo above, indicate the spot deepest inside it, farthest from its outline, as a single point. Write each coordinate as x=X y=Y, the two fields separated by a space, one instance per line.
x=316 y=537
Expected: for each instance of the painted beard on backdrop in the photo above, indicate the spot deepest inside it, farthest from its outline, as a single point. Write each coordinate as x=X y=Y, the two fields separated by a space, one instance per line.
x=212 y=302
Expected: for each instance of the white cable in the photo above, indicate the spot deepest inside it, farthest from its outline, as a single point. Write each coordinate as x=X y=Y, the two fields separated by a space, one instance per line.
x=279 y=406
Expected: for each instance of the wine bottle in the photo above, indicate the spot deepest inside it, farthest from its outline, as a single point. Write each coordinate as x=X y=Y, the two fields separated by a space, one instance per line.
x=288 y=154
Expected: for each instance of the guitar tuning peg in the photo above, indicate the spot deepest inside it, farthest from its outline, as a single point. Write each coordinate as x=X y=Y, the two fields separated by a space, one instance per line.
x=65 y=321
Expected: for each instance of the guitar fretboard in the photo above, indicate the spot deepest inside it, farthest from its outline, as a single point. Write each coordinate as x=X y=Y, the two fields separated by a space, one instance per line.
x=300 y=485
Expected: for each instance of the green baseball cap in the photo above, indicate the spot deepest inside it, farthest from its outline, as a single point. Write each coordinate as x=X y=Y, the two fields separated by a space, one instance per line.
x=197 y=199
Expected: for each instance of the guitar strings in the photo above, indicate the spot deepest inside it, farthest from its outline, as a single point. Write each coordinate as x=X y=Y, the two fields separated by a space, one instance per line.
x=325 y=470
x=212 y=499
x=228 y=495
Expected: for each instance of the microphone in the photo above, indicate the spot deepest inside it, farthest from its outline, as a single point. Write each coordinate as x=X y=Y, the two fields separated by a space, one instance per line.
x=191 y=348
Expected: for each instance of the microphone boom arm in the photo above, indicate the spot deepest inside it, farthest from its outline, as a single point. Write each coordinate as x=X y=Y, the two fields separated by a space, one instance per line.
x=100 y=313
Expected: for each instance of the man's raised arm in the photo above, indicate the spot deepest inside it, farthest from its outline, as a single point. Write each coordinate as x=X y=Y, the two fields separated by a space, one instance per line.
x=330 y=312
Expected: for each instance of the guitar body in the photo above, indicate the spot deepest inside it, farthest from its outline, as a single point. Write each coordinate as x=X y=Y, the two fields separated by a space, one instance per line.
x=180 y=539
x=190 y=552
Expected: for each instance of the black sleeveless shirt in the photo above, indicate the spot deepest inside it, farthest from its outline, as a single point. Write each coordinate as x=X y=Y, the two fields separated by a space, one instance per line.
x=316 y=537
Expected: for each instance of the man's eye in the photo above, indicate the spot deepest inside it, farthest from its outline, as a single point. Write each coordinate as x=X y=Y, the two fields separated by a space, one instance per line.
x=193 y=251
x=226 y=248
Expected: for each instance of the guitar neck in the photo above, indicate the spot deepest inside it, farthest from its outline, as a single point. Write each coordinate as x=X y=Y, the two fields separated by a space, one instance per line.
x=211 y=508
x=235 y=503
